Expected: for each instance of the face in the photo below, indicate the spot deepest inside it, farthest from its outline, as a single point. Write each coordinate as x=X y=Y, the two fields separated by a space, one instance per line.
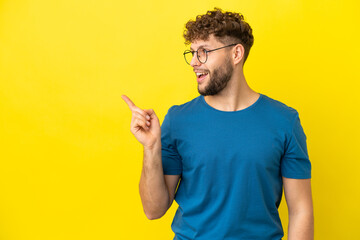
x=216 y=72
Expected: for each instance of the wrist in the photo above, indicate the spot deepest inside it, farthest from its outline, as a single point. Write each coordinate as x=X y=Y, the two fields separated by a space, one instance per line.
x=155 y=146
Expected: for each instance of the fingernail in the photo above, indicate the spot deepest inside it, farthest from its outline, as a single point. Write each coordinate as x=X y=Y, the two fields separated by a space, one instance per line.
x=147 y=116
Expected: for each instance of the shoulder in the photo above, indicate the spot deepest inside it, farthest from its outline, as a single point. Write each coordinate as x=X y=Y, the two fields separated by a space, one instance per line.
x=279 y=111
x=185 y=108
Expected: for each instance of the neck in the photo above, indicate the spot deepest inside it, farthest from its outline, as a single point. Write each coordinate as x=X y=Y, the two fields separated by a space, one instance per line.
x=237 y=95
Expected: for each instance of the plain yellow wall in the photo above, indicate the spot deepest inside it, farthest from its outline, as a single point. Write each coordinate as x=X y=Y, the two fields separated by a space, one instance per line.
x=69 y=165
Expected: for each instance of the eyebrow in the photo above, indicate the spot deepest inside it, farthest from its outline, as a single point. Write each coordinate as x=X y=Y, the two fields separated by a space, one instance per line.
x=205 y=45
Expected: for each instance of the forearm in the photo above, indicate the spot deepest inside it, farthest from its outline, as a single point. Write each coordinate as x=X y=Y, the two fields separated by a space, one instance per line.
x=301 y=226
x=153 y=190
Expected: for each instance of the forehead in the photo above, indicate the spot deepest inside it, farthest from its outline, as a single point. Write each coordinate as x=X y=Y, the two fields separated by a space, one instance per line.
x=210 y=42
x=194 y=47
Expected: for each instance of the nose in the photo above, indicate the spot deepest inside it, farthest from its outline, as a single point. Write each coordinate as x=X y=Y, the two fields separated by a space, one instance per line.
x=195 y=61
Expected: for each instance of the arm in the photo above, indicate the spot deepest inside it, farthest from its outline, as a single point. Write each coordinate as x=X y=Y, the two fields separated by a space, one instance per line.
x=156 y=190
x=299 y=201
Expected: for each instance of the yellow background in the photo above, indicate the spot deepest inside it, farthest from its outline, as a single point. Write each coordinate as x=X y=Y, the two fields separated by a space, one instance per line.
x=69 y=165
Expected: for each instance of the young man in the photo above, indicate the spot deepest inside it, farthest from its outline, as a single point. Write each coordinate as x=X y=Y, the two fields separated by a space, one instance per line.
x=231 y=150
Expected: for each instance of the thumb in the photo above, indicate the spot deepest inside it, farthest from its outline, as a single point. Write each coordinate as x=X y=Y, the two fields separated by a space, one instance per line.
x=151 y=113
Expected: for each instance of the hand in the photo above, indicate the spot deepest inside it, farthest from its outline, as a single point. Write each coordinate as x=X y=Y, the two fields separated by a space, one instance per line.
x=144 y=125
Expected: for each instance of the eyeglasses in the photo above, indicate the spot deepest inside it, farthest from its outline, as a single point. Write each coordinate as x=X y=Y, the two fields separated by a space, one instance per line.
x=201 y=53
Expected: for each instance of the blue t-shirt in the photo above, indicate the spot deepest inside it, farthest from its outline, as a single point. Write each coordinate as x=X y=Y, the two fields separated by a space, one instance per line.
x=231 y=166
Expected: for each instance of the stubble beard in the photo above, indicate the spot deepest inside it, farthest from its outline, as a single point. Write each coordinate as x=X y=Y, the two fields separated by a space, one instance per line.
x=218 y=79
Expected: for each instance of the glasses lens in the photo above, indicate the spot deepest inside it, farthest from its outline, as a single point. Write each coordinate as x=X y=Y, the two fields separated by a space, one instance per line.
x=188 y=56
x=202 y=55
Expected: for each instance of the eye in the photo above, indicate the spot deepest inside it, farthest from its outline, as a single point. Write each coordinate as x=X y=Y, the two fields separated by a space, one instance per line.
x=202 y=51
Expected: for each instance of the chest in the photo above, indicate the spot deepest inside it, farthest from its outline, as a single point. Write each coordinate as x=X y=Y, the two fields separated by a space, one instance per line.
x=224 y=147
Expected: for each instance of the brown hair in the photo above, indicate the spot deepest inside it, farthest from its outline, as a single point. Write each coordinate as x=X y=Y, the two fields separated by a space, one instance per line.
x=227 y=27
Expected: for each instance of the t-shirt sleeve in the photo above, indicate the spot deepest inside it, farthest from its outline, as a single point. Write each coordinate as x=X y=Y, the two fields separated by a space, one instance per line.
x=295 y=162
x=171 y=160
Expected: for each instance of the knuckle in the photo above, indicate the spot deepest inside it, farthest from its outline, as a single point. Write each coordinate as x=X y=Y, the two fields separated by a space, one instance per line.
x=139 y=115
x=142 y=112
x=142 y=117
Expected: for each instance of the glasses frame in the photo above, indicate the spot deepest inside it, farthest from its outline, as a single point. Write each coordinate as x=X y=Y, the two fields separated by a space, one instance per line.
x=206 y=53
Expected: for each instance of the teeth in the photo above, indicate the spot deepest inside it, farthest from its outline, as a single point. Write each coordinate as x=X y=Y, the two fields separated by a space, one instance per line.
x=199 y=74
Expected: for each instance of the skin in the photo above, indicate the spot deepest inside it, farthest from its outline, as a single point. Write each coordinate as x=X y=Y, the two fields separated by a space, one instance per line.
x=157 y=190
x=218 y=78
x=237 y=94
x=300 y=207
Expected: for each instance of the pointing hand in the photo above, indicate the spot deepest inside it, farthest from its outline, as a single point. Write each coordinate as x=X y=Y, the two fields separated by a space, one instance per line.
x=144 y=125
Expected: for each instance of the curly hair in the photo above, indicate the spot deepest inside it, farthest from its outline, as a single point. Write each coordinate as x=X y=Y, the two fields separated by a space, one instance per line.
x=227 y=27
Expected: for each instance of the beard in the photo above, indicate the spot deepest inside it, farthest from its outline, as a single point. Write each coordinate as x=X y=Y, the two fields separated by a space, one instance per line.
x=218 y=79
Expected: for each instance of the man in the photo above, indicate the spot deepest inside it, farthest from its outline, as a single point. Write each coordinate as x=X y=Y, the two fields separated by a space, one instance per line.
x=230 y=150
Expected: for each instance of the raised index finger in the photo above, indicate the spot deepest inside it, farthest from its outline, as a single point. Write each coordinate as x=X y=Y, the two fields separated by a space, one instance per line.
x=129 y=102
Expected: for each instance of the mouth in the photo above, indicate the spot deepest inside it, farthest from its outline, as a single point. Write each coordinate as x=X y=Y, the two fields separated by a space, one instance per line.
x=201 y=76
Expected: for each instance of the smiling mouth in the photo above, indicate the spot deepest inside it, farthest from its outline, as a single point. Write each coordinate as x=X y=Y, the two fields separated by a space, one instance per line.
x=201 y=76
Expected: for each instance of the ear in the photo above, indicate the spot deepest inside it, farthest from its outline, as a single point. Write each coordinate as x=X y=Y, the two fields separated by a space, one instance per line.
x=238 y=53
